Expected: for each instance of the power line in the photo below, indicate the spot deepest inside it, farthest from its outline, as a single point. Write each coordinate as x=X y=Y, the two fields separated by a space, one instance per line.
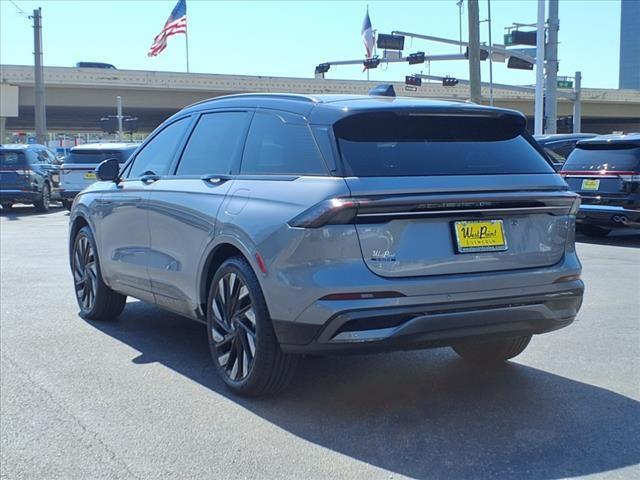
x=22 y=12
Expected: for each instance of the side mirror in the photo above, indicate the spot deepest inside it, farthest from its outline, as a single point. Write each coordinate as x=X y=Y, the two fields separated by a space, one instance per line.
x=108 y=170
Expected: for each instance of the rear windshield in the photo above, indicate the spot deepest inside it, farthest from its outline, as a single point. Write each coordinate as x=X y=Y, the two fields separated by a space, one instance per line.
x=97 y=156
x=9 y=159
x=393 y=144
x=619 y=158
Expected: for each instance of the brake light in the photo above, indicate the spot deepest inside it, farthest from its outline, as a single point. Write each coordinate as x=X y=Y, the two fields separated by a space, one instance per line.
x=334 y=211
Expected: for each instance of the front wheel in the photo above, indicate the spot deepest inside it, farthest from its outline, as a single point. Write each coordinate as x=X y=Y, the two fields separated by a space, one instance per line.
x=492 y=351
x=243 y=344
x=96 y=300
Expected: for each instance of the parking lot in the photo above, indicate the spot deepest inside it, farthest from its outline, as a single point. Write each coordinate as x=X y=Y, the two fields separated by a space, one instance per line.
x=139 y=398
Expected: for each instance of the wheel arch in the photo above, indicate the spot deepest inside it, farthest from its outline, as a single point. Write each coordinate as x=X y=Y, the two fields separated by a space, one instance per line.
x=221 y=251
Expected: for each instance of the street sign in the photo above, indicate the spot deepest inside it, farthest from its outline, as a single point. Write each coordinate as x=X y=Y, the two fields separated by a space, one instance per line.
x=530 y=52
x=565 y=83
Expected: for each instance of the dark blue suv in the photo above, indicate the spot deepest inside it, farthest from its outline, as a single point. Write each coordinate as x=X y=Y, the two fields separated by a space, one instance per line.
x=28 y=174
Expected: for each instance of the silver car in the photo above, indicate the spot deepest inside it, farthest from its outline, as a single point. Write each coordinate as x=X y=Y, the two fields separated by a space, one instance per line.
x=311 y=224
x=77 y=171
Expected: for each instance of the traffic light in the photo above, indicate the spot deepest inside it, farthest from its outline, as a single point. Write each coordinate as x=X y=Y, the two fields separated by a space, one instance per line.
x=519 y=64
x=416 y=58
x=484 y=54
x=390 y=42
x=413 y=80
x=371 y=62
x=449 y=81
x=323 y=68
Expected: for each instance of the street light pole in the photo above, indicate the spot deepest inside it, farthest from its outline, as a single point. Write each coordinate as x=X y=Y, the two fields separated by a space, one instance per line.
x=119 y=115
x=474 y=51
x=577 y=105
x=40 y=113
x=551 y=106
x=490 y=54
x=539 y=99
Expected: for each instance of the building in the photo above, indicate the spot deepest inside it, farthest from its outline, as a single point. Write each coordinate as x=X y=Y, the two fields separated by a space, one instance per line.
x=630 y=44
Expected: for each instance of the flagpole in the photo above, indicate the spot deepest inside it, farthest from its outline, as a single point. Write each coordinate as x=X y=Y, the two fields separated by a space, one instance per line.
x=186 y=44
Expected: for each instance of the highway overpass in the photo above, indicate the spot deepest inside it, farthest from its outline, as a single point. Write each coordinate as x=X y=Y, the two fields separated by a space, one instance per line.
x=77 y=98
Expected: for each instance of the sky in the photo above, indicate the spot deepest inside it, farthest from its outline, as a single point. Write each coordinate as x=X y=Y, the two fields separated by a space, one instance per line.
x=289 y=38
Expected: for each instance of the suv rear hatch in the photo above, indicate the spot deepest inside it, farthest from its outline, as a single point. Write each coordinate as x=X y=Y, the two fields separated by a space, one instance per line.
x=443 y=193
x=78 y=169
x=604 y=171
x=14 y=170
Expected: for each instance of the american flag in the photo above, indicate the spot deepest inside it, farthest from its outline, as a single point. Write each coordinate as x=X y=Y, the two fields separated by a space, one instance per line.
x=368 y=36
x=175 y=24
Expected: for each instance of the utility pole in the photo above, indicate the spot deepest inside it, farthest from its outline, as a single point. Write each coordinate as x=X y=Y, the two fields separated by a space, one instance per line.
x=474 y=51
x=551 y=107
x=40 y=112
x=490 y=54
x=119 y=115
x=539 y=98
x=577 y=106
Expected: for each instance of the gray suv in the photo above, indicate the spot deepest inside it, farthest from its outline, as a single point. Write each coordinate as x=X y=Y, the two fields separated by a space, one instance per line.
x=312 y=224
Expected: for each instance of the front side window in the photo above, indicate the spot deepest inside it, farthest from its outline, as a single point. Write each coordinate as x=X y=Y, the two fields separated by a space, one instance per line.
x=275 y=146
x=156 y=156
x=216 y=142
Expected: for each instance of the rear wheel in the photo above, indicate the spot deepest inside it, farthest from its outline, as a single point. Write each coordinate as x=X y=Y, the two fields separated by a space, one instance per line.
x=492 y=351
x=243 y=344
x=42 y=204
x=593 y=230
x=96 y=300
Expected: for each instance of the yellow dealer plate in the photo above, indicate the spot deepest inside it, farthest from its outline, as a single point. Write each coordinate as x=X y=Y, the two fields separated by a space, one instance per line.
x=590 y=184
x=90 y=176
x=480 y=236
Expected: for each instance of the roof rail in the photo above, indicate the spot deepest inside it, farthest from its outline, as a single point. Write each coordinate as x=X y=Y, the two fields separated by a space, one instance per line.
x=282 y=96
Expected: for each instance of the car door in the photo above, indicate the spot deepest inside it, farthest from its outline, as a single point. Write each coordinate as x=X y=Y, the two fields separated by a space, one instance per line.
x=183 y=206
x=48 y=162
x=123 y=233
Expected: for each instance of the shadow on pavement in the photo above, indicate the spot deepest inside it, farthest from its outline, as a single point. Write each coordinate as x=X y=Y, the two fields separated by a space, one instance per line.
x=421 y=414
x=617 y=238
x=18 y=212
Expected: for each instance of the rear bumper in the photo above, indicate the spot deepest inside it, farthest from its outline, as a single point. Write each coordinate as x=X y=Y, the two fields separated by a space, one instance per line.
x=435 y=324
x=18 y=196
x=611 y=216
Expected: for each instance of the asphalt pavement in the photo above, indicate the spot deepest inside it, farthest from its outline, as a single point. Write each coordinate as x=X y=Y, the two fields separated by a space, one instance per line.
x=139 y=398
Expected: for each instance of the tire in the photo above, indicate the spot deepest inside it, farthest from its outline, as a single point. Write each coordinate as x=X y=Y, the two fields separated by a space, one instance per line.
x=492 y=351
x=593 y=230
x=67 y=204
x=42 y=205
x=243 y=345
x=96 y=300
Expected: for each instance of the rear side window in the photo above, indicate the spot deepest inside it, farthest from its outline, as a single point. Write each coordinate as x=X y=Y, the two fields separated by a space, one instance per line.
x=9 y=159
x=156 y=157
x=384 y=144
x=622 y=158
x=275 y=146
x=216 y=142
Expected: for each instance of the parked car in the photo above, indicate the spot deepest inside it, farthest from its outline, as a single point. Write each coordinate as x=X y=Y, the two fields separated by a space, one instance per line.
x=559 y=146
x=605 y=171
x=295 y=224
x=78 y=168
x=29 y=173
